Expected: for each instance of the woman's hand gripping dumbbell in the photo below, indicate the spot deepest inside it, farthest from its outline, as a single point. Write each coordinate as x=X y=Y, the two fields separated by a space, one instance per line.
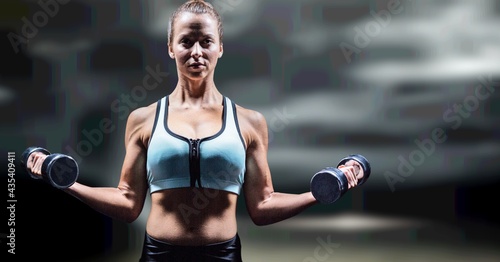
x=329 y=184
x=59 y=170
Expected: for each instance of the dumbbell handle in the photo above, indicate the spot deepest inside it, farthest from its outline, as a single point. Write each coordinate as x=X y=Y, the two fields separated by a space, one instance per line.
x=26 y=155
x=356 y=169
x=329 y=184
x=361 y=164
x=59 y=170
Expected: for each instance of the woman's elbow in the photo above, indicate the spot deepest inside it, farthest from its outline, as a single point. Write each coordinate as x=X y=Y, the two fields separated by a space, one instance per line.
x=261 y=222
x=131 y=214
x=258 y=218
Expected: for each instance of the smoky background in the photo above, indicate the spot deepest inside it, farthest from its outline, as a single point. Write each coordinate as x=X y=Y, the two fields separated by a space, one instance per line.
x=409 y=84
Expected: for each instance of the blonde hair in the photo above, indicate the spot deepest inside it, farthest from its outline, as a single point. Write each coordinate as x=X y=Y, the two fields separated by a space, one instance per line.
x=195 y=7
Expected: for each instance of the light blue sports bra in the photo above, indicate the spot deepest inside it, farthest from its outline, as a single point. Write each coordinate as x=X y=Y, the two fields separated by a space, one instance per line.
x=215 y=162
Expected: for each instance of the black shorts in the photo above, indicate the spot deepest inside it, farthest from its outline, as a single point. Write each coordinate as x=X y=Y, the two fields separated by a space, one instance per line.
x=155 y=250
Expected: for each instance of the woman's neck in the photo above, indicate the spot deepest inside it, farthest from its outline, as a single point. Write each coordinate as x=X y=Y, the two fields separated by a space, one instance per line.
x=194 y=93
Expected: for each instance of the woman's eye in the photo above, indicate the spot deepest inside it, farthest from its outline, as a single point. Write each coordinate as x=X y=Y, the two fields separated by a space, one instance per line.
x=206 y=41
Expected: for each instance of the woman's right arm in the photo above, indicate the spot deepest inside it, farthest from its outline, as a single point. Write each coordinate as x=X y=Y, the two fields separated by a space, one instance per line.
x=126 y=201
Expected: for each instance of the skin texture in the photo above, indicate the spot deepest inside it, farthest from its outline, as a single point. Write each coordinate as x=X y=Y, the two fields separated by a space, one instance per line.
x=193 y=216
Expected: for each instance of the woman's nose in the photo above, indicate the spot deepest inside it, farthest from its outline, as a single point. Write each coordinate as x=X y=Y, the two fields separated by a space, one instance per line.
x=196 y=52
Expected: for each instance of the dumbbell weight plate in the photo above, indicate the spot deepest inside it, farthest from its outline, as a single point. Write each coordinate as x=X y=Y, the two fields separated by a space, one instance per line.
x=60 y=170
x=328 y=185
x=26 y=154
x=362 y=161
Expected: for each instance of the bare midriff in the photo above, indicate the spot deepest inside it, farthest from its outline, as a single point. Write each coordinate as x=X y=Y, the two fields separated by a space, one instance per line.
x=192 y=216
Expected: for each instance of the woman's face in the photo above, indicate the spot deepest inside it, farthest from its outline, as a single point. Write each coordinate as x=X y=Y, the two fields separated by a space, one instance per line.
x=195 y=44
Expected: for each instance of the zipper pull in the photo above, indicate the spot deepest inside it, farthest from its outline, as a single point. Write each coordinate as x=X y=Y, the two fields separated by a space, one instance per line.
x=194 y=146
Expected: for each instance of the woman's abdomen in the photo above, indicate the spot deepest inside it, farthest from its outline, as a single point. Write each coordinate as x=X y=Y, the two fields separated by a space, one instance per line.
x=192 y=216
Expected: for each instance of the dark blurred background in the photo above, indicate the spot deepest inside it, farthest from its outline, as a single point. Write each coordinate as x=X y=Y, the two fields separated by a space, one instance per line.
x=410 y=84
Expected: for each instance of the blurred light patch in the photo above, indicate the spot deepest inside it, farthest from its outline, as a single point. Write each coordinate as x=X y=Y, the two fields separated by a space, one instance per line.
x=251 y=92
x=53 y=49
x=391 y=73
x=350 y=222
x=313 y=39
x=238 y=16
x=156 y=16
x=453 y=41
x=6 y=95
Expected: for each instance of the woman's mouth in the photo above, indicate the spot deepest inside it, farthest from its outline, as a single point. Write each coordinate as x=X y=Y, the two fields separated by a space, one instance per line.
x=196 y=65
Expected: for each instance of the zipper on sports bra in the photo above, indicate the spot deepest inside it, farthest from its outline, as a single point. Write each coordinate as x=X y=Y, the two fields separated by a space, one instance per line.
x=194 y=162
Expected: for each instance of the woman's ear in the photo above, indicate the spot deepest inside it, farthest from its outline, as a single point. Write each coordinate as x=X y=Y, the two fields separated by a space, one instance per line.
x=221 y=51
x=171 y=52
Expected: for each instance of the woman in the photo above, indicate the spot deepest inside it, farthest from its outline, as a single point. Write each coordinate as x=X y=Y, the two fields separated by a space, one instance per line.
x=195 y=151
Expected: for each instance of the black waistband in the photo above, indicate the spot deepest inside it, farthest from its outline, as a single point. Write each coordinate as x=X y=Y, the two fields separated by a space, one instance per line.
x=157 y=250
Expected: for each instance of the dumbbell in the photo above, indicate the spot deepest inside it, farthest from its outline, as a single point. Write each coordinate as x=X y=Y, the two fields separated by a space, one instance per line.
x=59 y=170
x=329 y=184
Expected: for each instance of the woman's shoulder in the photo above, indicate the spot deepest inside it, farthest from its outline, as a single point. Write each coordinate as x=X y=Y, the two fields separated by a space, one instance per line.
x=142 y=115
x=250 y=116
x=144 y=111
x=140 y=123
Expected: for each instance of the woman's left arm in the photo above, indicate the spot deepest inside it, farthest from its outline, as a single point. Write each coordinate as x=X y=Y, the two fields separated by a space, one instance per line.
x=263 y=204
